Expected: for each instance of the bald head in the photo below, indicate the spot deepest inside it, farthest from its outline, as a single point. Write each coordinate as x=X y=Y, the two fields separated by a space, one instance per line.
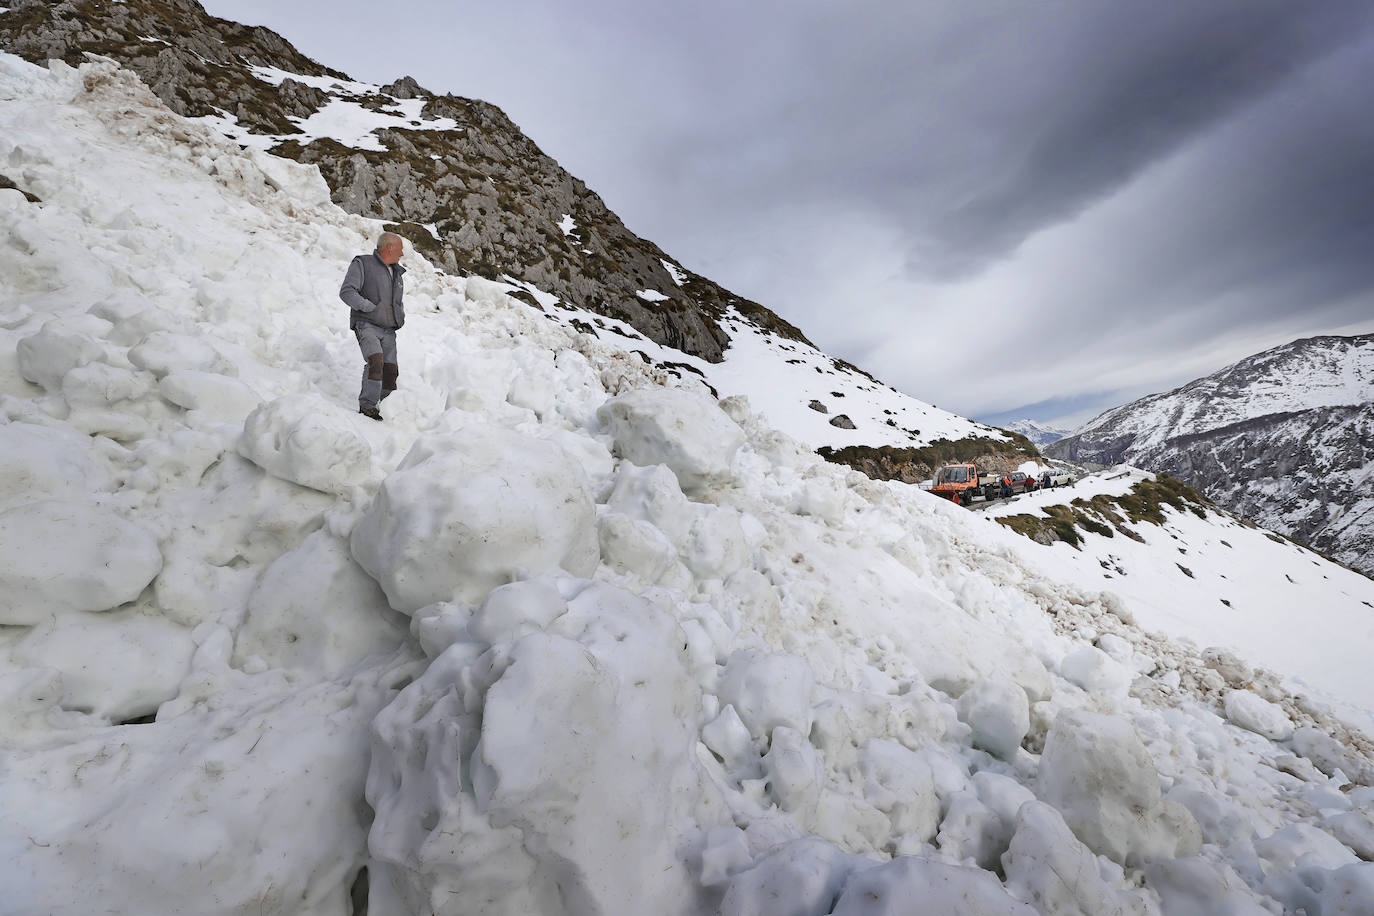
x=390 y=247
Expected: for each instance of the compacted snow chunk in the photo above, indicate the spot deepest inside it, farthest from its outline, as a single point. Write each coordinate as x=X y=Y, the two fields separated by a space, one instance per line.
x=115 y=665
x=801 y=878
x=308 y=441
x=1099 y=775
x=908 y=885
x=1258 y=715
x=686 y=431
x=768 y=690
x=40 y=462
x=1048 y=866
x=546 y=774
x=314 y=608
x=468 y=511
x=998 y=711
x=58 y=556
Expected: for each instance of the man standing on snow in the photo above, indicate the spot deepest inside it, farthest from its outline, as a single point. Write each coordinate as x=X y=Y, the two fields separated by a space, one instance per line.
x=373 y=289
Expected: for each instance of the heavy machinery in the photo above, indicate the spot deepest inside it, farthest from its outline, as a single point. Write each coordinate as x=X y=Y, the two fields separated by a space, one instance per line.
x=958 y=483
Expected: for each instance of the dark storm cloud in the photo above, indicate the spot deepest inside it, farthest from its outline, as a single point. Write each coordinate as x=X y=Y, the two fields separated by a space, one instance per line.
x=972 y=132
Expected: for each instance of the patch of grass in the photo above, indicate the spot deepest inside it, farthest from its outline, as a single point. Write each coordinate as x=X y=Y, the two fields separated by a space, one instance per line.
x=1106 y=515
x=1096 y=527
x=1146 y=501
x=1056 y=525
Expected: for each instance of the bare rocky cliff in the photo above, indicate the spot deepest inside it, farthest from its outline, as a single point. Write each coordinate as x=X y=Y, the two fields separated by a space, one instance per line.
x=478 y=196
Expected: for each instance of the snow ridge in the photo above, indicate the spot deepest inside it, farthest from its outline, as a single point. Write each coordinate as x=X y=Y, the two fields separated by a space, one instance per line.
x=717 y=675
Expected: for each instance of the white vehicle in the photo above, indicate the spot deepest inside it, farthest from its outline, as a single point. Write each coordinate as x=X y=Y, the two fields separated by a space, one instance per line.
x=1055 y=478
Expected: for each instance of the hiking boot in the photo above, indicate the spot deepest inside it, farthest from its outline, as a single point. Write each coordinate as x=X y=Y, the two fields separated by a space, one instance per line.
x=370 y=412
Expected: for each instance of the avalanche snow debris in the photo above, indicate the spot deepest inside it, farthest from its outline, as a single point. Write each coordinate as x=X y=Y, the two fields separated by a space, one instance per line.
x=710 y=674
x=466 y=512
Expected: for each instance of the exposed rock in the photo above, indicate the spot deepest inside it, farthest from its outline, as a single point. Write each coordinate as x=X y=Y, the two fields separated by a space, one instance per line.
x=6 y=184
x=913 y=465
x=842 y=421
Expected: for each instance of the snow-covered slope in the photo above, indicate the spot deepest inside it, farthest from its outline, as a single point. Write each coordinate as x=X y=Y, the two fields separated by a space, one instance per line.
x=563 y=635
x=812 y=397
x=1245 y=588
x=1285 y=438
x=1038 y=433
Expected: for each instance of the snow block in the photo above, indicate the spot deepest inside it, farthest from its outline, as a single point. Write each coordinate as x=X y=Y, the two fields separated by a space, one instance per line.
x=514 y=610
x=1195 y=887
x=1047 y=865
x=1258 y=715
x=46 y=357
x=1348 y=890
x=685 y=430
x=1298 y=846
x=900 y=783
x=768 y=690
x=794 y=771
x=314 y=609
x=1356 y=830
x=998 y=711
x=728 y=738
x=467 y=512
x=709 y=540
x=117 y=666
x=1096 y=771
x=635 y=547
x=1096 y=672
x=40 y=462
x=800 y=878
x=893 y=889
x=308 y=441
x=226 y=399
x=1329 y=755
x=725 y=852
x=58 y=556
x=981 y=818
x=164 y=352
x=103 y=385
x=553 y=776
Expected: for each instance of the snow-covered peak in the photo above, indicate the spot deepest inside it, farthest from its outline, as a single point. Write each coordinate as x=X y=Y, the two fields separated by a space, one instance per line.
x=1039 y=433
x=564 y=634
x=1308 y=373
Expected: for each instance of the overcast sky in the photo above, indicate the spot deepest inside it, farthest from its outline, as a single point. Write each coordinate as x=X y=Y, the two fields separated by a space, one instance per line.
x=1003 y=207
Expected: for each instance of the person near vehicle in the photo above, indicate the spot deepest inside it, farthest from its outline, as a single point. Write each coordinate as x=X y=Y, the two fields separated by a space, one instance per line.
x=373 y=289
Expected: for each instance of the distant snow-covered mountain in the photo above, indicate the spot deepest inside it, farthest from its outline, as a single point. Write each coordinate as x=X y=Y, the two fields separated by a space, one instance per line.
x=1285 y=437
x=1039 y=433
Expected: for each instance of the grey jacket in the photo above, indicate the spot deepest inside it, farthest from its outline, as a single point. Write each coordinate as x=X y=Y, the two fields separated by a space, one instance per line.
x=373 y=292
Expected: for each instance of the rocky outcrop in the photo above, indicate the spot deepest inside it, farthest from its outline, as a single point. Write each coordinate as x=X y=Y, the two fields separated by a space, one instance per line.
x=479 y=197
x=1307 y=473
x=914 y=465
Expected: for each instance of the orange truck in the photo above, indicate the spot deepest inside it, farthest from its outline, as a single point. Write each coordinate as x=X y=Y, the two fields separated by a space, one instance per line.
x=957 y=483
